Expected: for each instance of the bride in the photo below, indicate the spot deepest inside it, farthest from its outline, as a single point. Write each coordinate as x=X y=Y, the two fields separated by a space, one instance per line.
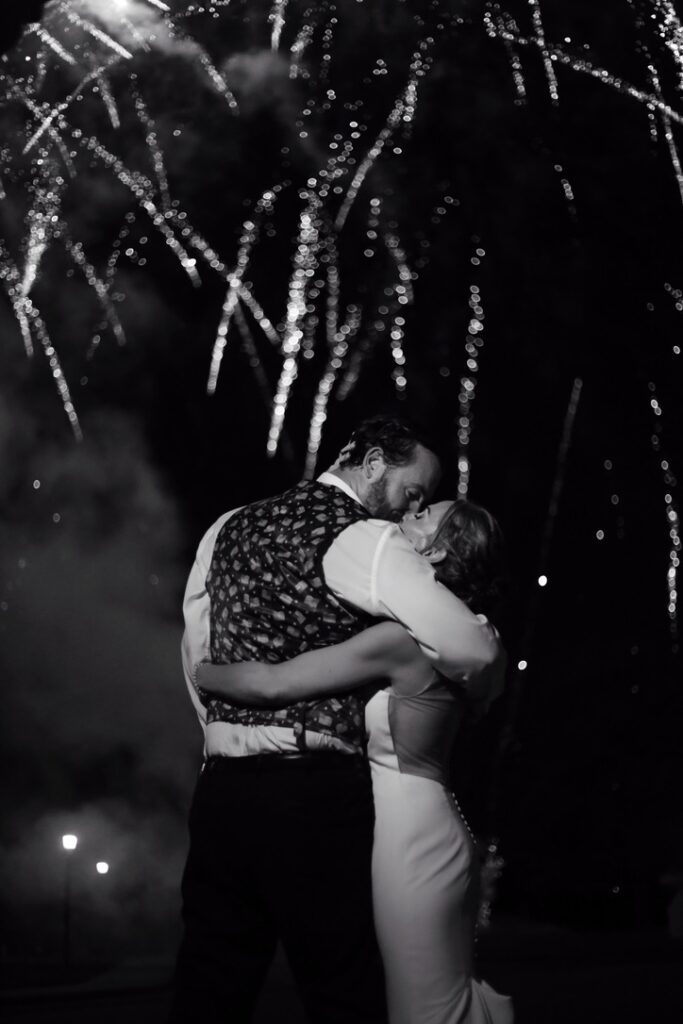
x=424 y=865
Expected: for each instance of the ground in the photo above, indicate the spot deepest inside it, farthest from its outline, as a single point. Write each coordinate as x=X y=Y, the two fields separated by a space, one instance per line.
x=556 y=976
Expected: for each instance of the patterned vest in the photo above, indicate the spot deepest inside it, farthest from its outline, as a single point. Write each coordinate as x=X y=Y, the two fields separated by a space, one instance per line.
x=270 y=602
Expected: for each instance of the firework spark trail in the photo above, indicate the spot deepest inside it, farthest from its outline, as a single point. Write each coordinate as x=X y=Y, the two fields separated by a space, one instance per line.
x=10 y=276
x=277 y=19
x=342 y=340
x=539 y=32
x=211 y=257
x=53 y=43
x=154 y=148
x=404 y=297
x=669 y=135
x=333 y=289
x=326 y=44
x=319 y=414
x=672 y=517
x=298 y=48
x=136 y=34
x=56 y=368
x=108 y=277
x=128 y=178
x=305 y=260
x=36 y=245
x=248 y=240
x=190 y=45
x=95 y=32
x=141 y=187
x=75 y=250
x=337 y=347
x=259 y=315
x=109 y=102
x=57 y=111
x=116 y=250
x=216 y=77
x=41 y=218
x=51 y=131
x=28 y=316
x=567 y=189
x=468 y=384
x=338 y=339
x=513 y=55
x=677 y=297
x=229 y=307
x=195 y=9
x=582 y=66
x=249 y=346
x=48 y=118
x=671 y=33
x=403 y=110
x=251 y=349
x=250 y=233
x=656 y=85
x=355 y=363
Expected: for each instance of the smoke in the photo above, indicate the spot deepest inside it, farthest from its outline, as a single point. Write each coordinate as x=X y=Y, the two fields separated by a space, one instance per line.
x=134 y=24
x=261 y=80
x=121 y=27
x=94 y=711
x=98 y=735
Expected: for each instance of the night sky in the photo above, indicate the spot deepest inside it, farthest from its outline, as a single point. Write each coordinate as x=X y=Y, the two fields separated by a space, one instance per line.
x=563 y=215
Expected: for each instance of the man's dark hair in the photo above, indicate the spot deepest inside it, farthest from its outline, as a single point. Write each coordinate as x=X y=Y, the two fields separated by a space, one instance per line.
x=396 y=437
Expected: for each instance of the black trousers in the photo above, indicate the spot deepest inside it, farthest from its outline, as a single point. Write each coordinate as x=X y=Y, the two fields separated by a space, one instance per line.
x=280 y=849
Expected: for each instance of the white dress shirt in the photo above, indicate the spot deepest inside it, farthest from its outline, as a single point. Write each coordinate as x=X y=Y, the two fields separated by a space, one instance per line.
x=374 y=567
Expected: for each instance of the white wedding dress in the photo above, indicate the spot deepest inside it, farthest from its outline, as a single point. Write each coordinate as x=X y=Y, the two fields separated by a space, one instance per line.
x=424 y=869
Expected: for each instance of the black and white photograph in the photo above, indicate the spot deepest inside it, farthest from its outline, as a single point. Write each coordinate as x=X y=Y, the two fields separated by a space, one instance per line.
x=341 y=439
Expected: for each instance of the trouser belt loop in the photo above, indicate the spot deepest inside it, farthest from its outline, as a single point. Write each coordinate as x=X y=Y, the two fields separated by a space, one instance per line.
x=300 y=732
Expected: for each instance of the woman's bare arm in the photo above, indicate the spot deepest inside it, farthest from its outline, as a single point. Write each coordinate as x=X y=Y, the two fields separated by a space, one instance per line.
x=378 y=654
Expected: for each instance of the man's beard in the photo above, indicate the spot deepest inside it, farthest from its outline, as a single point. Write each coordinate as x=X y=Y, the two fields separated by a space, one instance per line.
x=377 y=502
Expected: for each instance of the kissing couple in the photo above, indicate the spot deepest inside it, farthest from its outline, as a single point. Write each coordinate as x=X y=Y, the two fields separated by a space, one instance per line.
x=334 y=643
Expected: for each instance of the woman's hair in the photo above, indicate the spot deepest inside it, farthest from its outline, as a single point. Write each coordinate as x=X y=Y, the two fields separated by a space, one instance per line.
x=473 y=567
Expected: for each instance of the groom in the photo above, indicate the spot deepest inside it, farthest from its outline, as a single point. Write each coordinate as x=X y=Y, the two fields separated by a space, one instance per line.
x=282 y=818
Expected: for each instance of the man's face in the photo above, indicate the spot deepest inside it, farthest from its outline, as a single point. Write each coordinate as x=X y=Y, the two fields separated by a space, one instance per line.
x=405 y=488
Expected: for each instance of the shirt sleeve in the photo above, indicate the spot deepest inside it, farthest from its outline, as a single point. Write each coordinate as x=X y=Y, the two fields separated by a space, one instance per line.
x=374 y=567
x=196 y=642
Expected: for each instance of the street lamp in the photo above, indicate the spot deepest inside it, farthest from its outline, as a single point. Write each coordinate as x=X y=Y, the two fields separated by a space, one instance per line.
x=69 y=843
x=102 y=867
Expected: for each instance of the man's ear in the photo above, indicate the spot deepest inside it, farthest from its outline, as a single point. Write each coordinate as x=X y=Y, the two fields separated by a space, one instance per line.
x=374 y=464
x=434 y=555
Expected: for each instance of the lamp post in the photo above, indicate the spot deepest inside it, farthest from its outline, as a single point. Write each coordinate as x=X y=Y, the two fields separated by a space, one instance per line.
x=69 y=843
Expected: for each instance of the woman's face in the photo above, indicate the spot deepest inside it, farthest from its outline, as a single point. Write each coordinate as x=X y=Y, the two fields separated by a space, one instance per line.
x=422 y=527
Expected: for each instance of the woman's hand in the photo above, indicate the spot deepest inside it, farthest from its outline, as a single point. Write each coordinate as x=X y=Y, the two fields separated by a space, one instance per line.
x=374 y=656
